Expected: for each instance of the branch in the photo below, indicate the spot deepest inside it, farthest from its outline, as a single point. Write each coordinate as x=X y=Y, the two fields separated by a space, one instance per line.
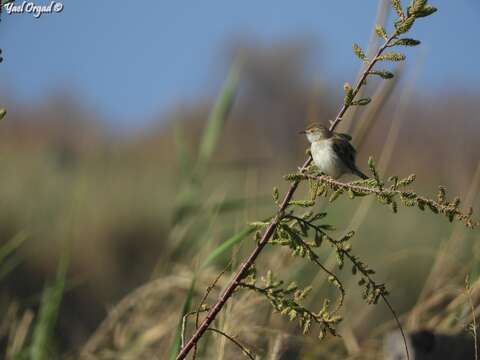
x=361 y=81
x=410 y=198
x=382 y=292
x=314 y=257
x=243 y=348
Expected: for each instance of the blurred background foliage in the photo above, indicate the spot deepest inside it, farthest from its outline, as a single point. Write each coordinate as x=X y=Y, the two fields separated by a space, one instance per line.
x=134 y=214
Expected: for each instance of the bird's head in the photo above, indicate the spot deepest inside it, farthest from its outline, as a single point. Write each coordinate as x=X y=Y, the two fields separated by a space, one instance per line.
x=317 y=133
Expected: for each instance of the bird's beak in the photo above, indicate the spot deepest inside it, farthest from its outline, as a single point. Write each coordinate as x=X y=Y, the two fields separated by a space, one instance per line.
x=302 y=132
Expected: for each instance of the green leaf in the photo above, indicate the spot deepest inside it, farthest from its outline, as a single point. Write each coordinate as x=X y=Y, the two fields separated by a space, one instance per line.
x=318 y=216
x=381 y=32
x=404 y=26
x=177 y=341
x=392 y=56
x=306 y=326
x=276 y=194
x=302 y=203
x=406 y=181
x=226 y=246
x=371 y=163
x=359 y=52
x=407 y=42
x=418 y=5
x=3 y=112
x=362 y=102
x=426 y=11
x=384 y=74
x=432 y=208
x=394 y=206
x=43 y=330
x=421 y=204
x=327 y=227
x=335 y=195
x=218 y=116
x=351 y=194
x=348 y=93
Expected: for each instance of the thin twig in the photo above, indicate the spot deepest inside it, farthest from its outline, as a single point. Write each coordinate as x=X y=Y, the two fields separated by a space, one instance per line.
x=373 y=45
x=244 y=349
x=397 y=320
x=209 y=289
x=184 y=323
x=336 y=279
x=384 y=298
x=361 y=80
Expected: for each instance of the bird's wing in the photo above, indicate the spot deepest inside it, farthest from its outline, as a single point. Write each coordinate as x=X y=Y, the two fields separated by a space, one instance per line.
x=344 y=151
x=344 y=136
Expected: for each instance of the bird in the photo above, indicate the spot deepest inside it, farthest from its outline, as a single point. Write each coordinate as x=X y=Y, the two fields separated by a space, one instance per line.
x=332 y=152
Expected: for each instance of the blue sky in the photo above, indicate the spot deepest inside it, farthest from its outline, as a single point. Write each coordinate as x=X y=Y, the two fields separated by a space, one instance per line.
x=132 y=60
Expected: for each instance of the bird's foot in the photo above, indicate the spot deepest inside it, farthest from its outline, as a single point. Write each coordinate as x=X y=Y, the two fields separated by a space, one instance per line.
x=310 y=169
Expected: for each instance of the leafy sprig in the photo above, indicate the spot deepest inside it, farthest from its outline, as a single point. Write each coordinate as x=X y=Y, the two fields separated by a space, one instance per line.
x=405 y=21
x=391 y=191
x=287 y=299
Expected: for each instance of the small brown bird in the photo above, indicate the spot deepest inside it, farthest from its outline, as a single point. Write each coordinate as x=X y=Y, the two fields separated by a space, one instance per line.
x=332 y=152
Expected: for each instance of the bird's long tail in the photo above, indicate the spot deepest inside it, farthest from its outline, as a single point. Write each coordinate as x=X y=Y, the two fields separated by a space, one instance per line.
x=359 y=173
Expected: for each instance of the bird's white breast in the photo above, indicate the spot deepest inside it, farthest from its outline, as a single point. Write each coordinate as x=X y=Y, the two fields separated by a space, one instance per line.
x=325 y=159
